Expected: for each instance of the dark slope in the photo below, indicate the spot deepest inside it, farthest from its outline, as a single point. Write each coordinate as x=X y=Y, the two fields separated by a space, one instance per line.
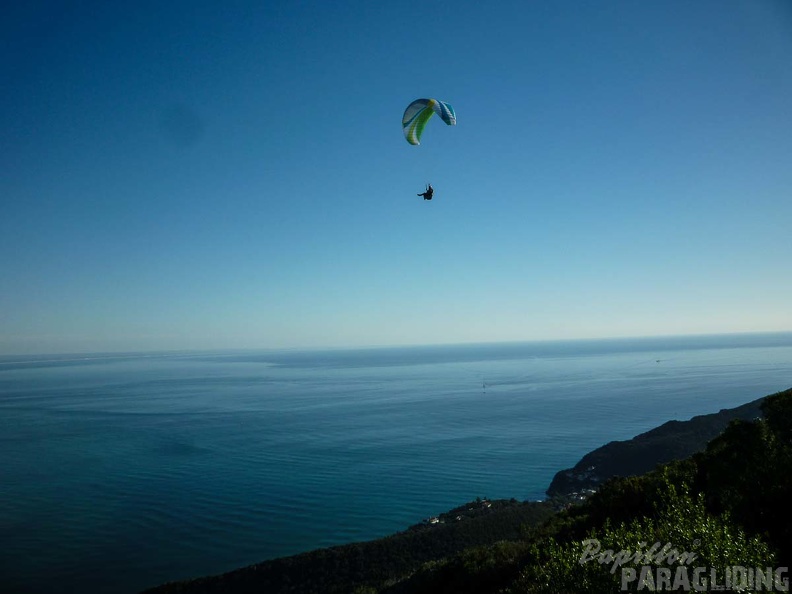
x=468 y=534
x=344 y=568
x=674 y=440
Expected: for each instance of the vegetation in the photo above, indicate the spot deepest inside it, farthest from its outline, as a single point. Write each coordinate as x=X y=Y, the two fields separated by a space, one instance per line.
x=725 y=507
x=674 y=440
x=359 y=566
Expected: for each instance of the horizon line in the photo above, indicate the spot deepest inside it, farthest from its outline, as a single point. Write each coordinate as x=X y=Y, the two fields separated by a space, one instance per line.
x=90 y=354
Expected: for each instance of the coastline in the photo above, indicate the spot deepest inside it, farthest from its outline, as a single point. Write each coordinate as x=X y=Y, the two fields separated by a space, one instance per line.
x=462 y=527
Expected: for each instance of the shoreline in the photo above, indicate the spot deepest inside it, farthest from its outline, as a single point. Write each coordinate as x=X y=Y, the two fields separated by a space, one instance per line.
x=673 y=440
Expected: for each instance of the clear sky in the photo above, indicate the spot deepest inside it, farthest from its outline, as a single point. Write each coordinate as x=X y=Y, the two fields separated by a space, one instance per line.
x=197 y=175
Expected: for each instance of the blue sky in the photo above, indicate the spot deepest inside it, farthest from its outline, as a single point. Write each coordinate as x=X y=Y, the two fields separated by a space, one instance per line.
x=197 y=175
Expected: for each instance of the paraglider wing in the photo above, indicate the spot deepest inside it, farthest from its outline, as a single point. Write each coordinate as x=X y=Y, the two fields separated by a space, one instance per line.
x=418 y=113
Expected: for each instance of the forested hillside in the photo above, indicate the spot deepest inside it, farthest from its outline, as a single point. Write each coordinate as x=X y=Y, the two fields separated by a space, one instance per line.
x=727 y=506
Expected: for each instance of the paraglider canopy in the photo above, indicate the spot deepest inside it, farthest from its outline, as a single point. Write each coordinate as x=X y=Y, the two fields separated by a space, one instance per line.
x=418 y=113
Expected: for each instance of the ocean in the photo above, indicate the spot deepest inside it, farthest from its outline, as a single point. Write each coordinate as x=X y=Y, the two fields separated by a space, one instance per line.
x=122 y=471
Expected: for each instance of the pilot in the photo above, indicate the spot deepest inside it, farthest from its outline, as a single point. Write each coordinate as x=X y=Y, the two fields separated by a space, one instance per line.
x=428 y=194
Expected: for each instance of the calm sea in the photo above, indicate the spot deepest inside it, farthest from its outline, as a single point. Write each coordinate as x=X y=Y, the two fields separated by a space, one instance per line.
x=122 y=471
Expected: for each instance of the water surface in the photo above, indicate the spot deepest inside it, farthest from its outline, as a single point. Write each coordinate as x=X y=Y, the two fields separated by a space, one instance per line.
x=122 y=471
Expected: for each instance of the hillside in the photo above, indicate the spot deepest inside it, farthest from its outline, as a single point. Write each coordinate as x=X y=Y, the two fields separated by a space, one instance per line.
x=729 y=502
x=331 y=570
x=674 y=440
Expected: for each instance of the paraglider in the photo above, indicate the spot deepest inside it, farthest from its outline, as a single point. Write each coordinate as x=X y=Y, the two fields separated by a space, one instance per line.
x=427 y=195
x=418 y=113
x=414 y=121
